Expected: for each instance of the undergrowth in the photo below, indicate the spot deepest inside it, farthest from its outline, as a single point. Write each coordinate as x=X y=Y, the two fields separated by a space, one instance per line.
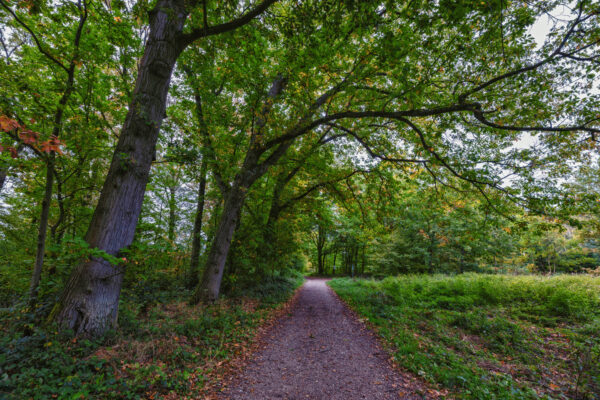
x=162 y=348
x=489 y=336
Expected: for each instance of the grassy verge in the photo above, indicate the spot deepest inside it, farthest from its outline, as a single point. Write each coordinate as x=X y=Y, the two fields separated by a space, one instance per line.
x=161 y=350
x=489 y=336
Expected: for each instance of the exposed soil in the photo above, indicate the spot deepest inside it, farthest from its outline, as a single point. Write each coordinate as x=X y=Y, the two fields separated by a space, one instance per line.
x=320 y=351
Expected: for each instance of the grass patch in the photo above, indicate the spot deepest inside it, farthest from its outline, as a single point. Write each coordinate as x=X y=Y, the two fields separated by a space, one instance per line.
x=161 y=349
x=489 y=336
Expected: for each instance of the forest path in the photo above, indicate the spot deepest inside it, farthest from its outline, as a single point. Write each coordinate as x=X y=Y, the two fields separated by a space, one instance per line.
x=319 y=351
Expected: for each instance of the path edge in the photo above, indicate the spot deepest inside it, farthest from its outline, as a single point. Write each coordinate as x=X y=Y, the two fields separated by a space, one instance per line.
x=236 y=365
x=385 y=354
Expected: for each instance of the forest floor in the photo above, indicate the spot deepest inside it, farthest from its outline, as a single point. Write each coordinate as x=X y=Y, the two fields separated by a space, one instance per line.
x=164 y=348
x=321 y=350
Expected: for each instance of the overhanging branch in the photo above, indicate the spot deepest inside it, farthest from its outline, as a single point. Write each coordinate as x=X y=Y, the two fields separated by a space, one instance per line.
x=204 y=31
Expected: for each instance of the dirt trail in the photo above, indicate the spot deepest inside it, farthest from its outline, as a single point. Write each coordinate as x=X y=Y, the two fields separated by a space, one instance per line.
x=319 y=352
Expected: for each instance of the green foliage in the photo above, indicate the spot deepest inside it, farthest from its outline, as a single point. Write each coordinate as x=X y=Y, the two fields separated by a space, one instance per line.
x=163 y=348
x=431 y=233
x=271 y=290
x=488 y=336
x=44 y=363
x=384 y=195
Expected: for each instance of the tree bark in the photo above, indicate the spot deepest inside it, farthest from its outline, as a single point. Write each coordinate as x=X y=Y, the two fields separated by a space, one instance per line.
x=172 y=204
x=209 y=287
x=320 y=246
x=50 y=161
x=251 y=170
x=192 y=280
x=266 y=250
x=54 y=233
x=355 y=264
x=42 y=231
x=364 y=258
x=89 y=302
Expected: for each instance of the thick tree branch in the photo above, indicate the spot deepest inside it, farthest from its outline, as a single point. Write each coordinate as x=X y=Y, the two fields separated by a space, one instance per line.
x=301 y=129
x=480 y=116
x=372 y=153
x=276 y=89
x=316 y=186
x=188 y=38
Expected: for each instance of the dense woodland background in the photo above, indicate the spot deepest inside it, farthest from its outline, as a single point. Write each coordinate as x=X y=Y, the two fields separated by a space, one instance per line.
x=171 y=152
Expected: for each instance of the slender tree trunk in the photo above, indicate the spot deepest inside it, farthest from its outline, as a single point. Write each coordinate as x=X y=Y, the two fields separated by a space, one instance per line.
x=333 y=267
x=209 y=287
x=265 y=252
x=356 y=250
x=57 y=235
x=58 y=118
x=364 y=258
x=172 y=204
x=347 y=262
x=89 y=302
x=192 y=279
x=42 y=231
x=431 y=253
x=321 y=239
x=251 y=170
x=319 y=261
x=267 y=249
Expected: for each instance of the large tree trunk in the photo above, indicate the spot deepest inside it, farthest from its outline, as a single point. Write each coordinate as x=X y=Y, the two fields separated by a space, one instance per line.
x=209 y=287
x=89 y=302
x=192 y=280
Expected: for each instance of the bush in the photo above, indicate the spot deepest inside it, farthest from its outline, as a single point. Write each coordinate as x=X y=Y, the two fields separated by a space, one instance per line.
x=269 y=289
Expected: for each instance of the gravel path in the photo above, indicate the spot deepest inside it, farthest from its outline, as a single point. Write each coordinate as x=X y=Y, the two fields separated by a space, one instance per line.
x=320 y=351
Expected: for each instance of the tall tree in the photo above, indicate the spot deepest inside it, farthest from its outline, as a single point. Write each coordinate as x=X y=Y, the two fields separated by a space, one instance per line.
x=69 y=85
x=424 y=110
x=89 y=302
